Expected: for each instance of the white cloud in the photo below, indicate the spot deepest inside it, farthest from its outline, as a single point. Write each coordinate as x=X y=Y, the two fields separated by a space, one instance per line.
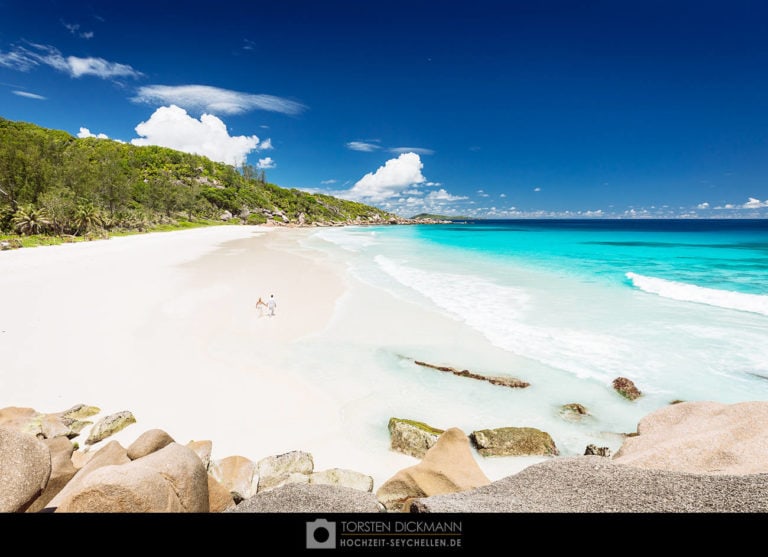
x=442 y=195
x=266 y=144
x=171 y=126
x=24 y=59
x=502 y=195
x=362 y=146
x=328 y=182
x=266 y=163
x=704 y=205
x=74 y=28
x=389 y=180
x=412 y=192
x=85 y=132
x=417 y=150
x=536 y=189
x=482 y=193
x=433 y=184
x=213 y=99
x=755 y=204
x=29 y=95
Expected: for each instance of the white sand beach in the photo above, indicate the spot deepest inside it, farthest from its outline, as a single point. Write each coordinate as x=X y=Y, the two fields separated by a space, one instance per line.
x=165 y=325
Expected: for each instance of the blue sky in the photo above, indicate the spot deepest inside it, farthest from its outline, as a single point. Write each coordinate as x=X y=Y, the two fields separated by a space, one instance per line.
x=482 y=108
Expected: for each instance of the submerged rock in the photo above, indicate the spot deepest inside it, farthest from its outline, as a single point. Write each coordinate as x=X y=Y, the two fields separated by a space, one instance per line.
x=594 y=450
x=504 y=381
x=411 y=437
x=626 y=388
x=514 y=441
x=573 y=411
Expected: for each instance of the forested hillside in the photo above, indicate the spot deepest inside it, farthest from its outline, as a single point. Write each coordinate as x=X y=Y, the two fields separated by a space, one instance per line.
x=54 y=183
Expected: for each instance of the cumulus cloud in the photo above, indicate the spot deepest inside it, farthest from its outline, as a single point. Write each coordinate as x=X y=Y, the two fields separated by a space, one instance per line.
x=433 y=184
x=703 y=205
x=482 y=193
x=265 y=163
x=24 y=59
x=214 y=100
x=442 y=195
x=362 y=146
x=328 y=182
x=536 y=189
x=171 y=126
x=755 y=204
x=502 y=195
x=85 y=132
x=389 y=180
x=27 y=95
x=417 y=150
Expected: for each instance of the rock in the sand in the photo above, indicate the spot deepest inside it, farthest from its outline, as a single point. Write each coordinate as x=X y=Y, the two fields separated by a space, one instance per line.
x=344 y=478
x=109 y=425
x=592 y=484
x=276 y=470
x=626 y=388
x=278 y=481
x=502 y=380
x=171 y=480
x=25 y=468
x=62 y=471
x=701 y=437
x=311 y=498
x=573 y=411
x=237 y=474
x=149 y=442
x=203 y=450
x=411 y=437
x=112 y=453
x=44 y=426
x=219 y=497
x=594 y=450
x=514 y=441
x=447 y=467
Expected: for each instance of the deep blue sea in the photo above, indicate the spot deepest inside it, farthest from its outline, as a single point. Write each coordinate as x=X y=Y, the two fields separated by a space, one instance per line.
x=680 y=307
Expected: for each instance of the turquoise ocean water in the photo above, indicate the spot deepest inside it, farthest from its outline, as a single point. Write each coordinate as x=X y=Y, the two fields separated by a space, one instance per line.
x=680 y=307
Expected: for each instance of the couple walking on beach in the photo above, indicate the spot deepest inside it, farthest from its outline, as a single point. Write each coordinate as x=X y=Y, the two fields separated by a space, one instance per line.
x=270 y=306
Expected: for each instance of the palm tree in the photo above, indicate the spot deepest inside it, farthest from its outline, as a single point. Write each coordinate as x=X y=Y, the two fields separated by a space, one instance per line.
x=29 y=220
x=87 y=217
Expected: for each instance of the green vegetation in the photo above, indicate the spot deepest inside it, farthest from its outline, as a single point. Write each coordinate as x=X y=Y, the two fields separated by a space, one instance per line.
x=56 y=188
x=441 y=217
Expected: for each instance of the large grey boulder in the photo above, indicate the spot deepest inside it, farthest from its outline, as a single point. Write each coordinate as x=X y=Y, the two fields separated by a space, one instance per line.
x=171 y=480
x=110 y=454
x=701 y=437
x=594 y=484
x=310 y=498
x=514 y=441
x=25 y=468
x=412 y=437
x=62 y=471
x=447 y=467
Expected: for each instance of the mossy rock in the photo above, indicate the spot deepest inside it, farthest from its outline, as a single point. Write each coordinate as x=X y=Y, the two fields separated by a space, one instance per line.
x=626 y=388
x=514 y=441
x=412 y=437
x=573 y=411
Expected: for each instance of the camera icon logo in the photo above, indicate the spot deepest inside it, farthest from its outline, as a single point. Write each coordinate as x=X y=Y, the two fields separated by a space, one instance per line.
x=321 y=534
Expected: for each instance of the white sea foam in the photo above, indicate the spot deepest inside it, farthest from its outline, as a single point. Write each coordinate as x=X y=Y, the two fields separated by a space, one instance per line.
x=352 y=239
x=753 y=303
x=504 y=314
